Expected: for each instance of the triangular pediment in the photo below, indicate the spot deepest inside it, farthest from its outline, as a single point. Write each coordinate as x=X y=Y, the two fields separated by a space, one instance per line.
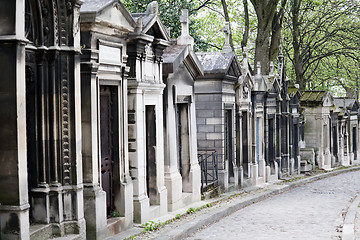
x=118 y=15
x=234 y=68
x=156 y=29
x=328 y=101
x=355 y=106
x=275 y=86
x=113 y=14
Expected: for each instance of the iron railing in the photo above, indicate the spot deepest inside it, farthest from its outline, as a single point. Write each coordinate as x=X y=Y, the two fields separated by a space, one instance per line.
x=208 y=161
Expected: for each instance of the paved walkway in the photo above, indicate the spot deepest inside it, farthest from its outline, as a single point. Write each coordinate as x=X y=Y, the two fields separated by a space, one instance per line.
x=316 y=210
x=313 y=211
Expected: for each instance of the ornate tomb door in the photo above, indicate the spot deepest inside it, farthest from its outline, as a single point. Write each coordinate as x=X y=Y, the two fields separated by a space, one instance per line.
x=106 y=123
x=229 y=143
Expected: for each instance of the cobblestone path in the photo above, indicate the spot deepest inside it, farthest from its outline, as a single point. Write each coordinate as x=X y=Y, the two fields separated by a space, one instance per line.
x=313 y=211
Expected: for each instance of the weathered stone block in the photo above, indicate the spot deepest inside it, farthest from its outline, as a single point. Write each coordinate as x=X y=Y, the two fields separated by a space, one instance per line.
x=205 y=144
x=200 y=120
x=201 y=136
x=218 y=128
x=213 y=136
x=219 y=143
x=218 y=113
x=205 y=128
x=208 y=98
x=132 y=131
x=204 y=113
x=208 y=105
x=213 y=121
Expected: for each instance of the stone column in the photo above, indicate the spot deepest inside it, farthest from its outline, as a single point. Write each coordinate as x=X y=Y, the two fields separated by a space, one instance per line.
x=14 y=207
x=195 y=171
x=73 y=197
x=173 y=179
x=94 y=196
x=124 y=200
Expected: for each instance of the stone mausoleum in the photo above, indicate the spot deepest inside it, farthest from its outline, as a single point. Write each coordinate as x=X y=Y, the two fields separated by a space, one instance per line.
x=106 y=121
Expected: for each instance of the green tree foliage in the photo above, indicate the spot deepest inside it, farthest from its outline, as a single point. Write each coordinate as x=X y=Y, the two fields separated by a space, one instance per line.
x=320 y=37
x=170 y=12
x=270 y=14
x=322 y=43
x=212 y=21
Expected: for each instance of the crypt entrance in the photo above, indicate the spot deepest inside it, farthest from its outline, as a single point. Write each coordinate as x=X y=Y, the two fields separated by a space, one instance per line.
x=52 y=133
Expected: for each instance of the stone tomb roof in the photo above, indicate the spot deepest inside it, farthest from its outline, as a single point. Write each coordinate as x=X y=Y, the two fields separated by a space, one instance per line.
x=95 y=5
x=346 y=104
x=293 y=91
x=109 y=13
x=171 y=53
x=149 y=22
x=174 y=55
x=217 y=62
x=316 y=98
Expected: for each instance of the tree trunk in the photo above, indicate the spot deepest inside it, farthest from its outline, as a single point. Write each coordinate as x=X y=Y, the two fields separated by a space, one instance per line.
x=298 y=64
x=247 y=23
x=276 y=31
x=265 y=12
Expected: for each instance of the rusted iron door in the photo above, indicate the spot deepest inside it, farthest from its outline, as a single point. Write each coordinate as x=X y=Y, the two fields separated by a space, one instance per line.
x=151 y=177
x=106 y=145
x=228 y=142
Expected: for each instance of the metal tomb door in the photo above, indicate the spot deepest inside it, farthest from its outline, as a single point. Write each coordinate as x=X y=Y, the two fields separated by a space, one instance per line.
x=106 y=121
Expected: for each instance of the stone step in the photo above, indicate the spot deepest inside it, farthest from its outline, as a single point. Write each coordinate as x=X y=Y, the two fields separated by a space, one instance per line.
x=70 y=237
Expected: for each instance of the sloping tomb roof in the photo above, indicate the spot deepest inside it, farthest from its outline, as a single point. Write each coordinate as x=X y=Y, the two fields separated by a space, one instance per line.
x=313 y=96
x=172 y=52
x=94 y=5
x=215 y=62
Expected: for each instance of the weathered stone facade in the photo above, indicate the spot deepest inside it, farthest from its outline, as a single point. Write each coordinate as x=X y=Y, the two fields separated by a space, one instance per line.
x=106 y=122
x=316 y=111
x=41 y=176
x=243 y=122
x=108 y=187
x=182 y=170
x=145 y=109
x=347 y=112
x=215 y=111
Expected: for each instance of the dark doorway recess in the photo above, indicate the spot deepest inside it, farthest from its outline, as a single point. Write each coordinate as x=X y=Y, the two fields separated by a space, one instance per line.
x=109 y=142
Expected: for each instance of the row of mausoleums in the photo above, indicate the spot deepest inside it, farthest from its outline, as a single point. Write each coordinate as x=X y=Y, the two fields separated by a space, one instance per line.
x=106 y=121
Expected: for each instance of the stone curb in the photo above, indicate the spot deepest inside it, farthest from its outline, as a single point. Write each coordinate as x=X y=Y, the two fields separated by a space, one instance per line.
x=191 y=227
x=348 y=232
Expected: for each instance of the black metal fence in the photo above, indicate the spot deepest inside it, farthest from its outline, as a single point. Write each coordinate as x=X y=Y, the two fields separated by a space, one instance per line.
x=208 y=161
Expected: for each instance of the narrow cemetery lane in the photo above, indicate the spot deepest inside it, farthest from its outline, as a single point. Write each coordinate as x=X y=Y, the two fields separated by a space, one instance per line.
x=313 y=211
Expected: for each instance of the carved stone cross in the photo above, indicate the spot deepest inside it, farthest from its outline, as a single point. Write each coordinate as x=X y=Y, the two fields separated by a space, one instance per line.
x=227 y=47
x=185 y=38
x=185 y=21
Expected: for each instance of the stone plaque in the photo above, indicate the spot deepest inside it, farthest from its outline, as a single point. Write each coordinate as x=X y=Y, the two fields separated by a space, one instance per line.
x=109 y=55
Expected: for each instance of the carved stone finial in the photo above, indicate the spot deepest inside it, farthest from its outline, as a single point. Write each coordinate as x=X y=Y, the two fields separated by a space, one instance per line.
x=281 y=51
x=152 y=8
x=245 y=59
x=281 y=61
x=149 y=51
x=272 y=69
x=258 y=68
x=227 y=31
x=244 y=52
x=281 y=54
x=185 y=38
x=139 y=25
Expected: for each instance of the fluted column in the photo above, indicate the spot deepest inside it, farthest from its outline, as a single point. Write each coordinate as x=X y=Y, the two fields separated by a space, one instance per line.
x=14 y=208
